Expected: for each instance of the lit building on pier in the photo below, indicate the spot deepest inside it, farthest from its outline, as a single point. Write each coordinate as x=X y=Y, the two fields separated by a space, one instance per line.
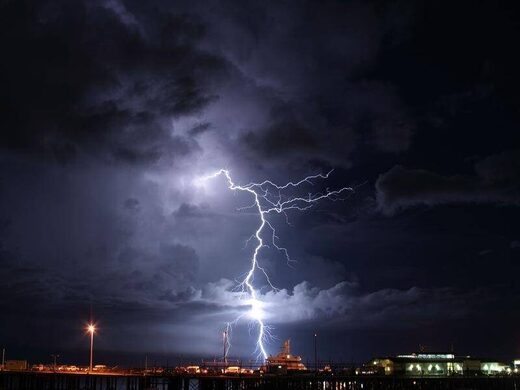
x=434 y=365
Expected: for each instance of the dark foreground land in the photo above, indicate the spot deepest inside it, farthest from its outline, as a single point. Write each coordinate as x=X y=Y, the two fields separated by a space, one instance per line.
x=61 y=381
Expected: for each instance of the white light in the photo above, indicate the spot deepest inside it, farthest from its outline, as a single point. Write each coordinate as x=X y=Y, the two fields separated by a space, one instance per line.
x=256 y=312
x=436 y=356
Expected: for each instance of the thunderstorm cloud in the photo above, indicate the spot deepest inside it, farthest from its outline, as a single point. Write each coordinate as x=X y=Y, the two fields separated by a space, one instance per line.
x=111 y=110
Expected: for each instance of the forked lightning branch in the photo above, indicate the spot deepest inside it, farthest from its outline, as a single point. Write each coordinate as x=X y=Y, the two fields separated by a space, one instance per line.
x=270 y=198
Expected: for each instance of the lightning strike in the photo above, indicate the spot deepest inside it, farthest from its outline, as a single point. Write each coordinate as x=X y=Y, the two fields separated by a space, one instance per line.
x=226 y=335
x=268 y=198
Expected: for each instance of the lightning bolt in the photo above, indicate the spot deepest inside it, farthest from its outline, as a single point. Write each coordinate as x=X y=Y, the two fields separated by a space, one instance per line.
x=269 y=198
x=226 y=335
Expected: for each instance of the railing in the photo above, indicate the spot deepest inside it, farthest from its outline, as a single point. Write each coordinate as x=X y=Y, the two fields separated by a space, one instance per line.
x=108 y=381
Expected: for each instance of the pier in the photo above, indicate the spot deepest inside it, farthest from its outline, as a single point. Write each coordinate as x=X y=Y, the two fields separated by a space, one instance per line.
x=70 y=381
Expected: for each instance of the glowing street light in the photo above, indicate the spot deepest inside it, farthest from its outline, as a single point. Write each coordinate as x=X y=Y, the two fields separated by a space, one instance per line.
x=91 y=328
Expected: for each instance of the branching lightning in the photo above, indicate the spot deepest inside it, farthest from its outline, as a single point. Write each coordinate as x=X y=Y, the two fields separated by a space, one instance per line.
x=269 y=198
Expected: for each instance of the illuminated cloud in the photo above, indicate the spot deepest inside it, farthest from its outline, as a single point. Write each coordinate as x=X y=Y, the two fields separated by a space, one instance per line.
x=345 y=305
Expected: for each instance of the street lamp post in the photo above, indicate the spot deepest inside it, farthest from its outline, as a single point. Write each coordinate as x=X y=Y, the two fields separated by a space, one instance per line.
x=55 y=357
x=91 y=329
x=315 y=352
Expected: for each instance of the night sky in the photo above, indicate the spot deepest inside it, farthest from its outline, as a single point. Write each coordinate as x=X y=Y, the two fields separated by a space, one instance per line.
x=110 y=110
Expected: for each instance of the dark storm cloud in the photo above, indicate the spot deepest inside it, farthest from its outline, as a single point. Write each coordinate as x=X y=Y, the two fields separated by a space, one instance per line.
x=281 y=139
x=304 y=66
x=200 y=129
x=131 y=204
x=88 y=77
x=368 y=114
x=100 y=78
x=172 y=91
x=140 y=280
x=496 y=181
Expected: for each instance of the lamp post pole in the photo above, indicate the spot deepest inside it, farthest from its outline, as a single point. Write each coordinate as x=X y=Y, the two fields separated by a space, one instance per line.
x=91 y=329
x=316 y=352
x=91 y=349
x=55 y=358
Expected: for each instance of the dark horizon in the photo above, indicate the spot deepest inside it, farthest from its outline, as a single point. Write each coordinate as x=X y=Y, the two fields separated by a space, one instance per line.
x=113 y=110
